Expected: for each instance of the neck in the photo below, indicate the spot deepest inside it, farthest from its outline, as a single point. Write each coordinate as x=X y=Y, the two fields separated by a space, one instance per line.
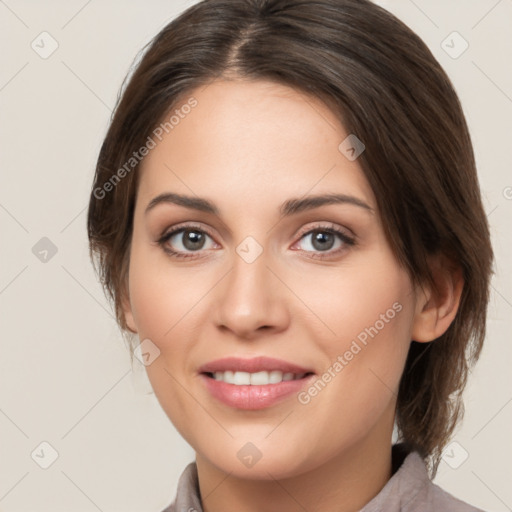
x=345 y=483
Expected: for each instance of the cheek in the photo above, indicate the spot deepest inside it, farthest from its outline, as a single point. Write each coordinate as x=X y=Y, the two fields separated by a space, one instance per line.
x=363 y=321
x=353 y=298
x=162 y=297
x=163 y=305
x=370 y=313
x=169 y=306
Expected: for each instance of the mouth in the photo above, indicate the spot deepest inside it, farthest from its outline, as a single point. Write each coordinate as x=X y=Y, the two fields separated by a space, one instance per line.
x=253 y=384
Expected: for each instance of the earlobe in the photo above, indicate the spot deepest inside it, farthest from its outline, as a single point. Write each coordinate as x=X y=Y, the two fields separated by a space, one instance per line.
x=128 y=314
x=128 y=318
x=437 y=306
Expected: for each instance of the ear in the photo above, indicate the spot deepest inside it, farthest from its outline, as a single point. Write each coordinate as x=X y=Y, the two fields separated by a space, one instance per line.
x=438 y=304
x=127 y=309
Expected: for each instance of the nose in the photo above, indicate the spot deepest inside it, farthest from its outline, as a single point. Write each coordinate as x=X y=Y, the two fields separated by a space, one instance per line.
x=251 y=301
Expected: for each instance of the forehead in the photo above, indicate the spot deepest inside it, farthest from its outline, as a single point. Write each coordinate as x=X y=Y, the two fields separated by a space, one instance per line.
x=250 y=139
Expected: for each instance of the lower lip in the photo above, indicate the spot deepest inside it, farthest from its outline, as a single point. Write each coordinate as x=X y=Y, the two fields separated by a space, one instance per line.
x=253 y=397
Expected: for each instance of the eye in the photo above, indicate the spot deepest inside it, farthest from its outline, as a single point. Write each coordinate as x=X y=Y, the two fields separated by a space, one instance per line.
x=188 y=241
x=323 y=239
x=182 y=242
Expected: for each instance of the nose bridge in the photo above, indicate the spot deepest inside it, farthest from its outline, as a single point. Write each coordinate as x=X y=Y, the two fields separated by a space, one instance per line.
x=250 y=297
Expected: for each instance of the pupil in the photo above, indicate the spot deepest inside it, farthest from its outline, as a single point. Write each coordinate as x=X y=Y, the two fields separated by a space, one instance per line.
x=193 y=239
x=322 y=240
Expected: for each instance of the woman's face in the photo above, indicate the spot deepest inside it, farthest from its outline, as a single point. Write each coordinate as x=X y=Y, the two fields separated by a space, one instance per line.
x=261 y=271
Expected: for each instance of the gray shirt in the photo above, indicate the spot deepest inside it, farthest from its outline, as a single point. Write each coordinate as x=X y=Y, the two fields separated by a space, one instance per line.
x=409 y=489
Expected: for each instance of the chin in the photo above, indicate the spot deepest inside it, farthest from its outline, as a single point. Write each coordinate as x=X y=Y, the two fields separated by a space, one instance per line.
x=247 y=460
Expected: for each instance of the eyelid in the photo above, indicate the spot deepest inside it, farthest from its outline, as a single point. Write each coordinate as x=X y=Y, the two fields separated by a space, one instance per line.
x=303 y=231
x=327 y=226
x=183 y=226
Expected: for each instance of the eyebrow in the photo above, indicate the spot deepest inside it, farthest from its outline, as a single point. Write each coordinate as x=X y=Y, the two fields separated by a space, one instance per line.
x=289 y=207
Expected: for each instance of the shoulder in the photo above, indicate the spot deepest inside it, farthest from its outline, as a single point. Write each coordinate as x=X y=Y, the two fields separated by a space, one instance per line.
x=439 y=499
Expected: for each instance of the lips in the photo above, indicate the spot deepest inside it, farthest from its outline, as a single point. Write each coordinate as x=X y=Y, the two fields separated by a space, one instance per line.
x=253 y=365
x=231 y=381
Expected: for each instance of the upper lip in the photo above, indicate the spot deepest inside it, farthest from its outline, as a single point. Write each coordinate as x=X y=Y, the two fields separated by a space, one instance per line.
x=253 y=365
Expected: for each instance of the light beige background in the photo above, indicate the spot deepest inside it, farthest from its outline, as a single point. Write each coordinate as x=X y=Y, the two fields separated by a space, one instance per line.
x=65 y=375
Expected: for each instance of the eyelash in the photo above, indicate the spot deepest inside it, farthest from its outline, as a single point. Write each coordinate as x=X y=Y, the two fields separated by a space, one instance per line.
x=347 y=240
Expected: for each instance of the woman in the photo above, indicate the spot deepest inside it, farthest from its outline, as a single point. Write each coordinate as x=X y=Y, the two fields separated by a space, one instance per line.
x=286 y=212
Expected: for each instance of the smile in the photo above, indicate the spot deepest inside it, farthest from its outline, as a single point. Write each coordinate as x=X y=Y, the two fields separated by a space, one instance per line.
x=262 y=378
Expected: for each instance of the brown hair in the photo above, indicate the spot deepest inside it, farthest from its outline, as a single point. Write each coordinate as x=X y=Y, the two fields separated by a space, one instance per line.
x=388 y=89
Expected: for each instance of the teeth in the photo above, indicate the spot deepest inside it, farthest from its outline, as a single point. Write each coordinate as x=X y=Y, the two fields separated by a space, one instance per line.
x=255 y=379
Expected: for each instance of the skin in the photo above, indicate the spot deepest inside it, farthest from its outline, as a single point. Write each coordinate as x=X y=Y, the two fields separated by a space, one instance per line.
x=248 y=147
